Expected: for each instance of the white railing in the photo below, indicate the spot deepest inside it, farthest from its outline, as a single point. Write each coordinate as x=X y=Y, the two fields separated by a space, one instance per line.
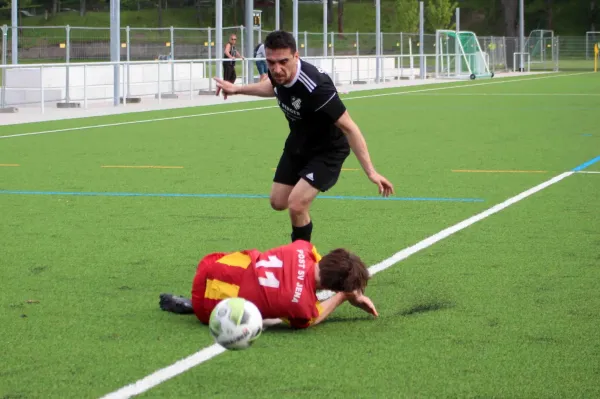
x=79 y=84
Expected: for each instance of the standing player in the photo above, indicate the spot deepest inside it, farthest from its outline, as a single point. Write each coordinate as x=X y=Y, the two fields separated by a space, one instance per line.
x=321 y=131
x=282 y=282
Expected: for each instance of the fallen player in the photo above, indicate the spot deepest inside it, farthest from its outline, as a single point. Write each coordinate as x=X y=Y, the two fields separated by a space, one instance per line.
x=282 y=282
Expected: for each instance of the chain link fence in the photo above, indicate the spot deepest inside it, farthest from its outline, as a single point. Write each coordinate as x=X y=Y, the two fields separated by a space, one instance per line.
x=572 y=54
x=85 y=44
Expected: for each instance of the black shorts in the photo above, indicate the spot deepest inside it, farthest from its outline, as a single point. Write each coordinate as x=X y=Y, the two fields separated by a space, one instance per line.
x=320 y=171
x=229 y=73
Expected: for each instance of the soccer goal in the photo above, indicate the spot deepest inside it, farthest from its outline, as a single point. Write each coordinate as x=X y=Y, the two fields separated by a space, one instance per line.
x=458 y=55
x=591 y=38
x=540 y=46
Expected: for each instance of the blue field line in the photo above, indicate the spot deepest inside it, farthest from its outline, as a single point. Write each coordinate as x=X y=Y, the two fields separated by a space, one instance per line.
x=338 y=197
x=586 y=164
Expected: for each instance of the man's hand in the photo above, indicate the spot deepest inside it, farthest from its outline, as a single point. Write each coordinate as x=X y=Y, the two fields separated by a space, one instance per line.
x=227 y=88
x=359 y=146
x=385 y=187
x=363 y=302
x=260 y=89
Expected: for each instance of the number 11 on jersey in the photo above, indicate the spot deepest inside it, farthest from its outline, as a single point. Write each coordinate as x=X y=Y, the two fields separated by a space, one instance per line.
x=269 y=280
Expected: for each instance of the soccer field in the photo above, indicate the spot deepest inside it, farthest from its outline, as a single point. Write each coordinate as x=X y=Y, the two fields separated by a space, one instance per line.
x=100 y=215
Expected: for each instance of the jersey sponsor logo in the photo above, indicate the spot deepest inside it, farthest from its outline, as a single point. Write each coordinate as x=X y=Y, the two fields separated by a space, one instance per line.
x=310 y=176
x=296 y=103
x=289 y=112
x=301 y=275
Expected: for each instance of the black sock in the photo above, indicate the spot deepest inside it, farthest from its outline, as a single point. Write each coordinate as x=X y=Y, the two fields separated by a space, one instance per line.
x=302 y=233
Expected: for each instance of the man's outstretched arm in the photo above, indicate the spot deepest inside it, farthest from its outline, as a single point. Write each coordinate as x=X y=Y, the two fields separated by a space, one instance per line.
x=260 y=89
x=359 y=147
x=271 y=322
x=328 y=306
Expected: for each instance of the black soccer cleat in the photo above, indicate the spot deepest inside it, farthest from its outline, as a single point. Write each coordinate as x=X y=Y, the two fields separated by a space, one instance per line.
x=175 y=304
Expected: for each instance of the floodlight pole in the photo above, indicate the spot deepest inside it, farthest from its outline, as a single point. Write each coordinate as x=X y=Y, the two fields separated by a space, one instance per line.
x=456 y=44
x=15 y=32
x=115 y=47
x=324 y=28
x=249 y=51
x=276 y=14
x=295 y=18
x=421 y=40
x=377 y=40
x=521 y=34
x=219 y=37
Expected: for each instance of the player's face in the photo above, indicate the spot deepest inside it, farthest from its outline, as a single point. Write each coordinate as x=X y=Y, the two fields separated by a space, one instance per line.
x=282 y=64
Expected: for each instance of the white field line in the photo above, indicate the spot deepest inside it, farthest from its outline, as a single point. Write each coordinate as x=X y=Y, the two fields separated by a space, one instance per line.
x=590 y=172
x=275 y=106
x=514 y=94
x=209 y=352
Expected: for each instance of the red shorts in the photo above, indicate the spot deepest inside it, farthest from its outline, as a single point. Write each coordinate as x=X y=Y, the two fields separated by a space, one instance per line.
x=203 y=306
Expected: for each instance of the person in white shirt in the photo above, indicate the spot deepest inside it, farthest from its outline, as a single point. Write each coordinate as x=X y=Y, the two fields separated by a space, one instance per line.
x=259 y=52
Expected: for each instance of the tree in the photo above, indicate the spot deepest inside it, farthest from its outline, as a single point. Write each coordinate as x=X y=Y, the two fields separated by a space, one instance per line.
x=510 y=8
x=439 y=14
x=340 y=9
x=160 y=13
x=198 y=12
x=407 y=12
x=594 y=15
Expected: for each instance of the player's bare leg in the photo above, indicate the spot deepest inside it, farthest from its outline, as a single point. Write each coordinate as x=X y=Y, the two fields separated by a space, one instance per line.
x=299 y=203
x=280 y=194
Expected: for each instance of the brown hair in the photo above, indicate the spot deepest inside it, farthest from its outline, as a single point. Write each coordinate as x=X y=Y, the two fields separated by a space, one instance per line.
x=342 y=271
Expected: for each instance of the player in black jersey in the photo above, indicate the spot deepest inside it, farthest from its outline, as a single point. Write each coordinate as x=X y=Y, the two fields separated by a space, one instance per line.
x=321 y=131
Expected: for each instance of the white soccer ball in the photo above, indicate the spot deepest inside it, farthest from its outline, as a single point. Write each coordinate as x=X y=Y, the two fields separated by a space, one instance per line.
x=235 y=323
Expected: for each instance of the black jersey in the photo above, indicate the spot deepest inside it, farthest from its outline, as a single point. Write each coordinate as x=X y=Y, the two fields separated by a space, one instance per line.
x=311 y=105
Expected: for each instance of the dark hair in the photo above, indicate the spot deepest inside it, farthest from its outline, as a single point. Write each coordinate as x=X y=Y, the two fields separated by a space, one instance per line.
x=280 y=39
x=342 y=271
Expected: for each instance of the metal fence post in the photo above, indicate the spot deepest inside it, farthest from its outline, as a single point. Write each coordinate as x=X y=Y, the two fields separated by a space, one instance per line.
x=244 y=77
x=557 y=62
x=172 y=60
x=67 y=60
x=85 y=103
x=332 y=57
x=42 y=87
x=382 y=62
x=159 y=91
x=210 y=66
x=4 y=42
x=191 y=80
x=401 y=58
x=305 y=44
x=127 y=43
x=332 y=44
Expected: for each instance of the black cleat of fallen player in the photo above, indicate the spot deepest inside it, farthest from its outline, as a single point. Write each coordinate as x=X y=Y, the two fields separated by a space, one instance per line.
x=175 y=304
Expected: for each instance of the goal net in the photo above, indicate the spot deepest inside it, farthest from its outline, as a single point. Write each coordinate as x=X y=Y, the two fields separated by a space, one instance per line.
x=459 y=56
x=591 y=38
x=539 y=45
